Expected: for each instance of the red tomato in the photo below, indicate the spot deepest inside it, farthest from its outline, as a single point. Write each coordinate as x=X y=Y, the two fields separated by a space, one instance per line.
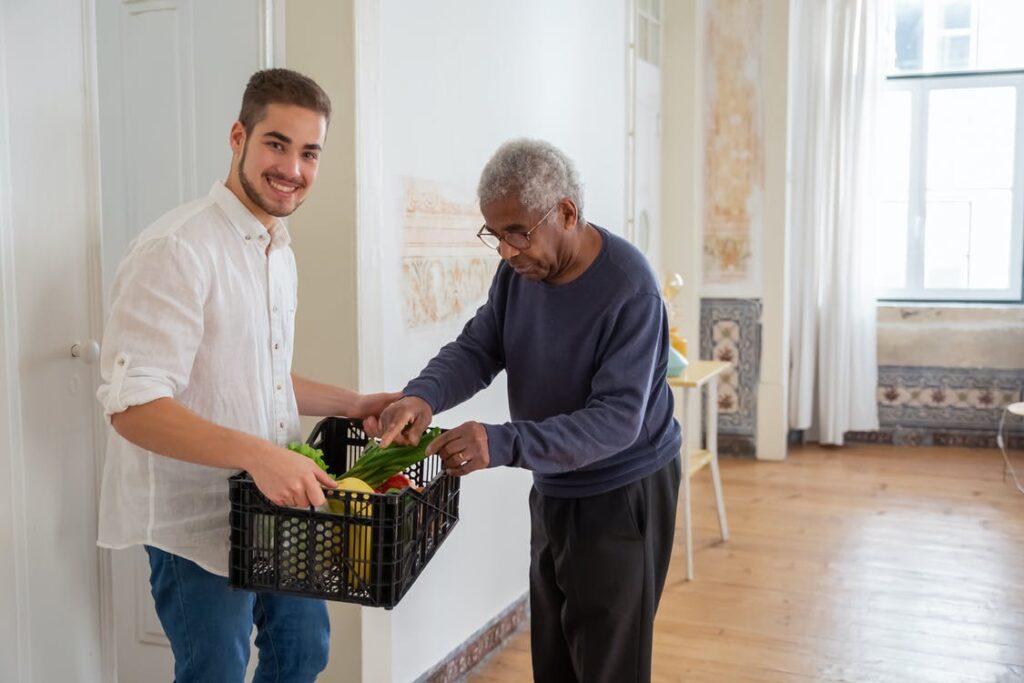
x=395 y=481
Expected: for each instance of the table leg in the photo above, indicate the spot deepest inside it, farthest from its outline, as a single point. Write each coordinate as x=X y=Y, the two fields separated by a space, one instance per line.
x=712 y=431
x=685 y=458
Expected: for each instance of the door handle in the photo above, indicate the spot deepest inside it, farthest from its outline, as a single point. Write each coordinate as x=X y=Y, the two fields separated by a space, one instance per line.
x=88 y=351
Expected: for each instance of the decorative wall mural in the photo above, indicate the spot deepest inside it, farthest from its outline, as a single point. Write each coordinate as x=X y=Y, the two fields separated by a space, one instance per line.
x=734 y=146
x=445 y=269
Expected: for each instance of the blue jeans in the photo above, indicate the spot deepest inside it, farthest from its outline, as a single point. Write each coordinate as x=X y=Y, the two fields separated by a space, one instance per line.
x=209 y=626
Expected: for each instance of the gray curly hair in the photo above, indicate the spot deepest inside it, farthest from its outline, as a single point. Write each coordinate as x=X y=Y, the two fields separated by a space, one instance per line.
x=536 y=172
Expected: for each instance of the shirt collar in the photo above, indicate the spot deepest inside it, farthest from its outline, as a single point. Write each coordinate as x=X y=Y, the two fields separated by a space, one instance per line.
x=246 y=224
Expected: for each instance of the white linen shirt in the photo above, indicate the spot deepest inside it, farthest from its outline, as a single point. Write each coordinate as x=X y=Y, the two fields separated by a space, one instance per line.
x=203 y=313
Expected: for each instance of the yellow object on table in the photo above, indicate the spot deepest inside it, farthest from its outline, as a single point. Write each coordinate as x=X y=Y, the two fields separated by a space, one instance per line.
x=677 y=342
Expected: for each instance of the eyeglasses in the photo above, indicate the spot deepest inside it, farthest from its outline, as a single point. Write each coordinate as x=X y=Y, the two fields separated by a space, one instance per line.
x=520 y=241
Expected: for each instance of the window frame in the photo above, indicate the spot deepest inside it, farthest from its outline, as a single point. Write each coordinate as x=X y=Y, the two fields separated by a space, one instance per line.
x=919 y=85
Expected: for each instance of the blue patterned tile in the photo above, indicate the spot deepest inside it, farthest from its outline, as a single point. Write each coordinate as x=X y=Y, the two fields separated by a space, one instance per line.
x=945 y=398
x=932 y=406
x=730 y=329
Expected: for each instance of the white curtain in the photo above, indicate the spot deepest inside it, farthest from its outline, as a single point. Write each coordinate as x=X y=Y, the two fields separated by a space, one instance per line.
x=835 y=76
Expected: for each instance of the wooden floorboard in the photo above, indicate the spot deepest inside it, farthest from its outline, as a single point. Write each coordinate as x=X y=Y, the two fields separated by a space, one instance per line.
x=860 y=564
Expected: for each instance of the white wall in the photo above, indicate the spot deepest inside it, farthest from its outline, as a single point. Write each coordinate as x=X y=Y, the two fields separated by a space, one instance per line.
x=319 y=43
x=772 y=394
x=685 y=72
x=13 y=609
x=440 y=85
x=951 y=336
x=682 y=168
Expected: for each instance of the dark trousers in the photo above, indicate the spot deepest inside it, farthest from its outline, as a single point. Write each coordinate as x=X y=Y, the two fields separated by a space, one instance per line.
x=597 y=568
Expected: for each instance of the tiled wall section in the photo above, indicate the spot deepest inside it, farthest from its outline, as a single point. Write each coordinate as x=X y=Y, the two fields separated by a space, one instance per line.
x=939 y=406
x=730 y=330
x=945 y=406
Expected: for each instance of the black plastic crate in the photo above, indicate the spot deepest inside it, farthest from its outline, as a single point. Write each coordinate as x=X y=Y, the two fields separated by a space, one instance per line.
x=368 y=550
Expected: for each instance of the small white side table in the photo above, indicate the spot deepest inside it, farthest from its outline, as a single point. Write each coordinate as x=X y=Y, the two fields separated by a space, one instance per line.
x=701 y=373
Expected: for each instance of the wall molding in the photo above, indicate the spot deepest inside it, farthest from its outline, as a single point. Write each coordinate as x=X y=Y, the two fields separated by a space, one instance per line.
x=94 y=200
x=272 y=33
x=481 y=645
x=369 y=193
x=10 y=407
x=375 y=625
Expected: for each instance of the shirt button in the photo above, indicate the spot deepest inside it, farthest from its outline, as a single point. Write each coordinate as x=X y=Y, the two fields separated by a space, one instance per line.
x=281 y=425
x=276 y=347
x=248 y=237
x=279 y=387
x=274 y=309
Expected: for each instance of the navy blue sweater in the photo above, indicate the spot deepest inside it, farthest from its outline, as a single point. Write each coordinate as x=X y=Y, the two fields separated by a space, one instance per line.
x=586 y=374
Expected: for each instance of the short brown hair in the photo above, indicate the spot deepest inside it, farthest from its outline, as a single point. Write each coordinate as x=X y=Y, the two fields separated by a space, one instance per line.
x=280 y=86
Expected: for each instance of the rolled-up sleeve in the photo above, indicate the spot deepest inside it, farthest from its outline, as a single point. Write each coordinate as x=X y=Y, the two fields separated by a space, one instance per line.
x=155 y=325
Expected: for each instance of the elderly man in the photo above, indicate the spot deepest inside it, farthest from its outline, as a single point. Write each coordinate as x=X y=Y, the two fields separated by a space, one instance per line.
x=575 y=317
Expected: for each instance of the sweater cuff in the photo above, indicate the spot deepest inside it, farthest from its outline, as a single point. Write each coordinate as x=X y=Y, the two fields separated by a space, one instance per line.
x=499 y=444
x=421 y=392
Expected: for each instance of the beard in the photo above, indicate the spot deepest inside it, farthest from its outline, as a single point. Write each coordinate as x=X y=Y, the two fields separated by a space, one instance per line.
x=254 y=196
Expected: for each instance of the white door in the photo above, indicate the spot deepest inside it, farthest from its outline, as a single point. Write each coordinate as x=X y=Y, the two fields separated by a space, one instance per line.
x=51 y=600
x=171 y=76
x=646 y=216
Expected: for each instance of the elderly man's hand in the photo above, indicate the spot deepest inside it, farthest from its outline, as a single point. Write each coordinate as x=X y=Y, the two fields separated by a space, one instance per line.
x=463 y=449
x=403 y=422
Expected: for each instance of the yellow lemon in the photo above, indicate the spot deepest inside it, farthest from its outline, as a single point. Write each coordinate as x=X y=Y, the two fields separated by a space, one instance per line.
x=360 y=536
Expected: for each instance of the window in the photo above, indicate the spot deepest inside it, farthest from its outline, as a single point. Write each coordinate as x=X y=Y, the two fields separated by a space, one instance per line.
x=648 y=31
x=951 y=152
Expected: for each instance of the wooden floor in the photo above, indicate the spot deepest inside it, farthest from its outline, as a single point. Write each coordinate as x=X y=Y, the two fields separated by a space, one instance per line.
x=865 y=563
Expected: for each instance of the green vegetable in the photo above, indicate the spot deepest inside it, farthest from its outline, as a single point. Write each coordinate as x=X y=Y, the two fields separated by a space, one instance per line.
x=314 y=454
x=377 y=465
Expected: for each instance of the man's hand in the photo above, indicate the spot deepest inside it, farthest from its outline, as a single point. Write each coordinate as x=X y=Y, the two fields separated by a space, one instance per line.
x=318 y=399
x=463 y=449
x=289 y=478
x=403 y=422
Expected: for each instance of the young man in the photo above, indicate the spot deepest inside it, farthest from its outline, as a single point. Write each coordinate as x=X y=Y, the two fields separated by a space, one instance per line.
x=576 y=319
x=197 y=377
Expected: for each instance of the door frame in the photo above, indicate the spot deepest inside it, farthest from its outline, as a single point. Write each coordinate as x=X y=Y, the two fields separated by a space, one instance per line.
x=17 y=664
x=97 y=310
